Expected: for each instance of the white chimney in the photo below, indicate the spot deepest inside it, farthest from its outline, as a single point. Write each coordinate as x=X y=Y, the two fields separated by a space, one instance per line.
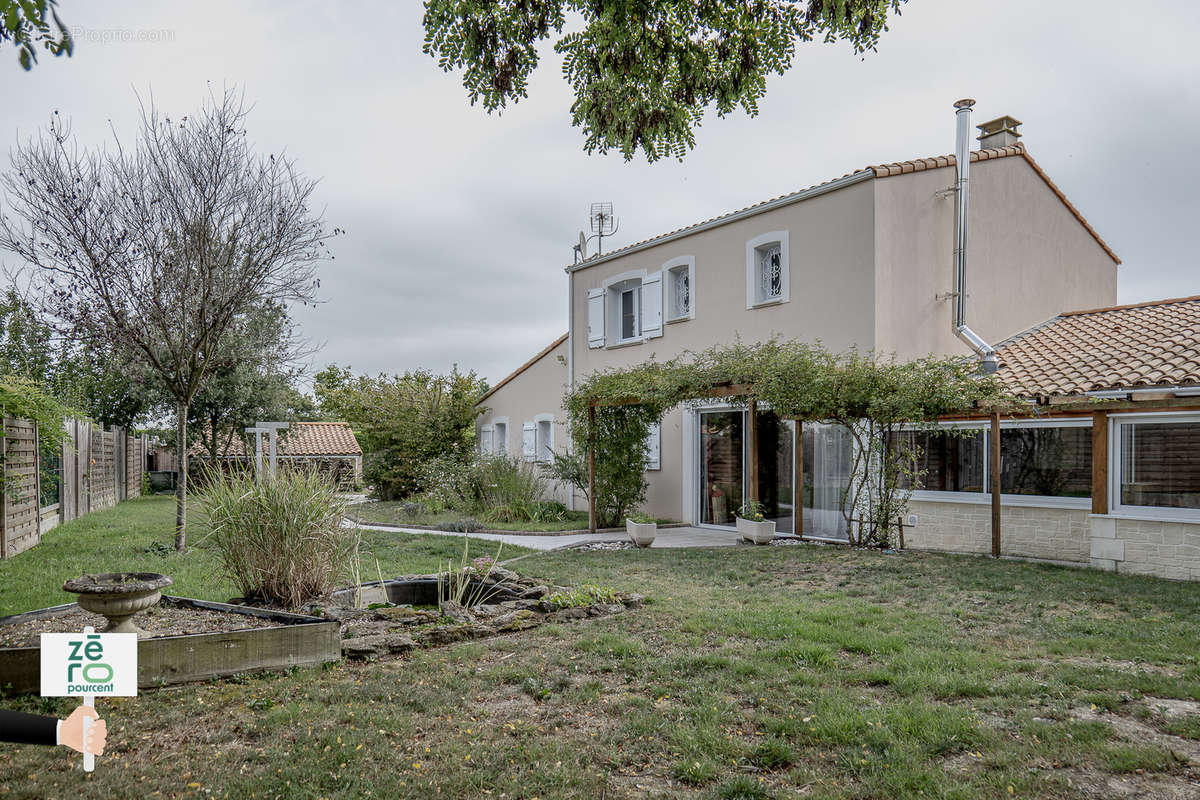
x=999 y=132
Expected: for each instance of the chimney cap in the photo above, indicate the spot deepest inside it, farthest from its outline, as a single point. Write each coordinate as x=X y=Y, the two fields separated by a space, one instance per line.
x=1005 y=123
x=966 y=102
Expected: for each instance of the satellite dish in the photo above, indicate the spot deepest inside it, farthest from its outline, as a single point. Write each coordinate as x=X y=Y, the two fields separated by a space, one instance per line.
x=582 y=247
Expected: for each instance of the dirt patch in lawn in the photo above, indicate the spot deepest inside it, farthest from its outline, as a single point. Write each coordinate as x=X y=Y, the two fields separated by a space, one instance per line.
x=160 y=620
x=1140 y=733
x=1119 y=665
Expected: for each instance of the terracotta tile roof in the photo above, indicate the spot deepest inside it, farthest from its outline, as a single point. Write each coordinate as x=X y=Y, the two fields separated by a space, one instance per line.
x=1143 y=345
x=303 y=439
x=523 y=367
x=875 y=171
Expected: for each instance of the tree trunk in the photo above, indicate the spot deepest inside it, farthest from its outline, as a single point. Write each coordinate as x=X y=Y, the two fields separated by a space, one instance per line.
x=181 y=412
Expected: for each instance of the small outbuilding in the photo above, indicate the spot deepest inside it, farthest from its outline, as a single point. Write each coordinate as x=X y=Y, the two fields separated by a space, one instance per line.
x=329 y=447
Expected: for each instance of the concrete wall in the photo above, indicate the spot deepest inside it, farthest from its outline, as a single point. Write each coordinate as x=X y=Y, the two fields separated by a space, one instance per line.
x=1146 y=547
x=539 y=389
x=1138 y=546
x=1052 y=534
x=1029 y=258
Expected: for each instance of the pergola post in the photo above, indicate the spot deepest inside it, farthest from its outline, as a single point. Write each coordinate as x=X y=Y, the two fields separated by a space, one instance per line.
x=994 y=449
x=592 y=468
x=798 y=480
x=752 y=441
x=1100 y=462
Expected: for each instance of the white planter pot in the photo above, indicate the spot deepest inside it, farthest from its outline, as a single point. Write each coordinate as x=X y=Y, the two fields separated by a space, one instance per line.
x=756 y=532
x=642 y=533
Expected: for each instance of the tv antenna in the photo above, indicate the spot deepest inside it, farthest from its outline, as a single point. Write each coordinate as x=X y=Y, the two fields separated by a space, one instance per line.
x=603 y=224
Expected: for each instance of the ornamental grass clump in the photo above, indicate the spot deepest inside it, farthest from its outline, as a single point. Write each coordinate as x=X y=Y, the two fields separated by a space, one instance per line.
x=281 y=541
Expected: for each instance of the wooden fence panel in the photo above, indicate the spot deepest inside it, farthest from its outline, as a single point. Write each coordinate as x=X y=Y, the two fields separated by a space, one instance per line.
x=19 y=495
x=102 y=477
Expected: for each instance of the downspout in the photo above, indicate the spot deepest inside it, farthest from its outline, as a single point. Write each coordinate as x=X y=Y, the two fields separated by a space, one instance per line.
x=570 y=358
x=962 y=158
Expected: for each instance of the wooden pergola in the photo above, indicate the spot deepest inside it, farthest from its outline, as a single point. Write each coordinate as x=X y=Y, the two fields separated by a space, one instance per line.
x=1071 y=407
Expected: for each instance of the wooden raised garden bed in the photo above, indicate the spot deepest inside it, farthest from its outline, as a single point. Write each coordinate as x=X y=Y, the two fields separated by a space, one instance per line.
x=255 y=639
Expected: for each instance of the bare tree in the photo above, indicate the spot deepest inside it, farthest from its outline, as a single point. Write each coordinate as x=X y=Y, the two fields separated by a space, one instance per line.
x=160 y=247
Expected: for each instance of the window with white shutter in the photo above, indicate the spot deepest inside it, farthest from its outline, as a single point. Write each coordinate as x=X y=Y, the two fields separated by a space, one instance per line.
x=529 y=441
x=485 y=439
x=500 y=437
x=595 y=318
x=654 y=446
x=652 y=305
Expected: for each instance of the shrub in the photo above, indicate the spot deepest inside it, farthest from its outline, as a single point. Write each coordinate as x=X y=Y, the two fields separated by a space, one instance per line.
x=279 y=541
x=497 y=488
x=461 y=526
x=411 y=509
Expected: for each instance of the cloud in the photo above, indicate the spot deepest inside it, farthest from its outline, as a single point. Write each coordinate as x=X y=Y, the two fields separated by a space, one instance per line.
x=459 y=223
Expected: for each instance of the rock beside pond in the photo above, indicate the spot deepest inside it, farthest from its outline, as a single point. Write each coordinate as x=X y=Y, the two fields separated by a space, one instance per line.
x=455 y=611
x=361 y=648
x=406 y=614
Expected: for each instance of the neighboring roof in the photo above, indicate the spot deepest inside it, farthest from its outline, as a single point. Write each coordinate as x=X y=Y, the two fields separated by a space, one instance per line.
x=303 y=439
x=523 y=367
x=1144 y=345
x=849 y=179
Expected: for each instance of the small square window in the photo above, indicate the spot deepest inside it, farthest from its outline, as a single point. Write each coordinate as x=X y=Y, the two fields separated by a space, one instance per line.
x=767 y=269
x=681 y=292
x=770 y=272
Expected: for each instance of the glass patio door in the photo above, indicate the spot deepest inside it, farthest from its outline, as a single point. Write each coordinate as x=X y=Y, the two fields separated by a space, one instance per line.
x=776 y=470
x=722 y=462
x=827 y=465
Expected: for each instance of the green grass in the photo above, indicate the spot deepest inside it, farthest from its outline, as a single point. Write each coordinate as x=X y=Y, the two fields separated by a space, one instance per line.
x=808 y=671
x=136 y=536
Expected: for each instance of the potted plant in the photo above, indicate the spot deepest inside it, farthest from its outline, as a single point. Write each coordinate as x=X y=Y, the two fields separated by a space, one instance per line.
x=642 y=529
x=751 y=524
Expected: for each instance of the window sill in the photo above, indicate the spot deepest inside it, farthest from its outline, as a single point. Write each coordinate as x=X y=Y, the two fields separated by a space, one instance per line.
x=1009 y=500
x=775 y=301
x=1153 y=515
x=673 y=320
x=626 y=343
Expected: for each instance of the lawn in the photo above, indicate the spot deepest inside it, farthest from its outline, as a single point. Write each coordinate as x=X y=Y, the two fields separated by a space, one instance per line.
x=802 y=671
x=136 y=536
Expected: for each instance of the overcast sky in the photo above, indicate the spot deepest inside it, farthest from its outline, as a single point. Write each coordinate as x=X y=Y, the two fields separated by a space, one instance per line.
x=459 y=223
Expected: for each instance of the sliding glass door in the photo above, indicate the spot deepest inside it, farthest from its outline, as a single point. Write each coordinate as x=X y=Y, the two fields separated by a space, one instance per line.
x=827 y=465
x=776 y=470
x=722 y=466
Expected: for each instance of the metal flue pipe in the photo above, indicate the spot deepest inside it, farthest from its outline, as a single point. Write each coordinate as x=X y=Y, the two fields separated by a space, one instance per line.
x=962 y=158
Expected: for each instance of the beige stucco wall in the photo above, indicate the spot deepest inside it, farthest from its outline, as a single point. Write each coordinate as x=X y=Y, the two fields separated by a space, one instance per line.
x=537 y=390
x=831 y=298
x=1051 y=534
x=1029 y=258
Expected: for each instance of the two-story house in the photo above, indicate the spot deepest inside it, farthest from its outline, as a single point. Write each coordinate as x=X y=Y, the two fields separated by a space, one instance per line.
x=866 y=260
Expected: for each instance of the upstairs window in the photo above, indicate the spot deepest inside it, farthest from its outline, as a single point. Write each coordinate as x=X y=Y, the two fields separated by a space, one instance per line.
x=767 y=269
x=627 y=309
x=629 y=314
x=680 y=287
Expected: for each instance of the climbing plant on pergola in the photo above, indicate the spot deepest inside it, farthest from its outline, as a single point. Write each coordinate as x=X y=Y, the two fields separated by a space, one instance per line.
x=870 y=395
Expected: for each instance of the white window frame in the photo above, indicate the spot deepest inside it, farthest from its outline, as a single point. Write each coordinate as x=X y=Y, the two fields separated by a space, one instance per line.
x=486 y=442
x=499 y=439
x=614 y=287
x=1115 y=467
x=671 y=270
x=985 y=497
x=754 y=299
x=543 y=446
